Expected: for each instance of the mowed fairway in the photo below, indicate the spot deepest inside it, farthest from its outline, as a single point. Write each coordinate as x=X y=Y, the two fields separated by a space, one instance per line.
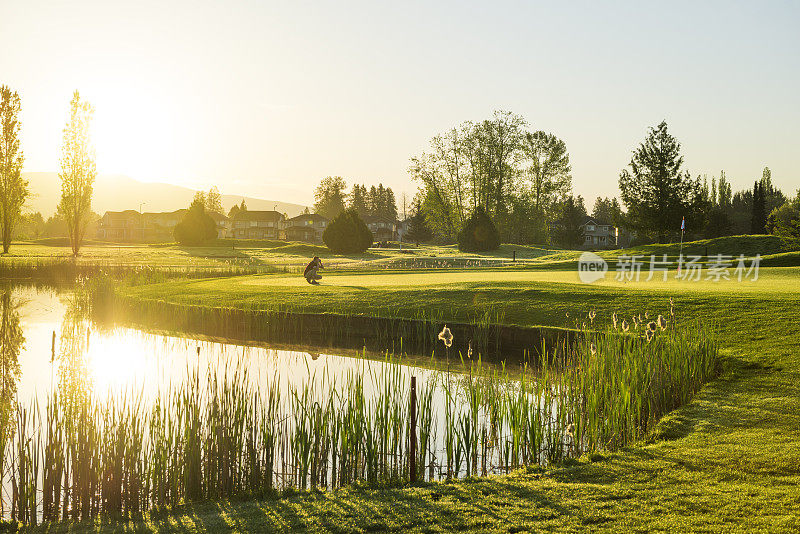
x=771 y=279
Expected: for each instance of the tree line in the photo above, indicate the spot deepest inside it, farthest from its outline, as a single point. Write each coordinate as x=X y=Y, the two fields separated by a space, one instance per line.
x=522 y=180
x=331 y=199
x=519 y=178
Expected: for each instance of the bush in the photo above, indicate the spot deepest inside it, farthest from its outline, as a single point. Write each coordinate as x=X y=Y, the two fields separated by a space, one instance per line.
x=347 y=234
x=196 y=228
x=479 y=234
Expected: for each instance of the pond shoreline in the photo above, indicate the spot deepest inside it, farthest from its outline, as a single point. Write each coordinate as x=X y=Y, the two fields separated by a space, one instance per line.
x=494 y=342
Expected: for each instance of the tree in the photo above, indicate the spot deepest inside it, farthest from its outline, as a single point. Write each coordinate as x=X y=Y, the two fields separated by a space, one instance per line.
x=656 y=193
x=548 y=175
x=358 y=200
x=758 y=219
x=418 y=230
x=525 y=224
x=214 y=201
x=724 y=192
x=472 y=165
x=236 y=209
x=12 y=341
x=330 y=197
x=13 y=187
x=30 y=226
x=199 y=198
x=347 y=234
x=608 y=210
x=197 y=226
x=502 y=137
x=479 y=234
x=717 y=224
x=573 y=214
x=389 y=205
x=773 y=197
x=78 y=171
x=785 y=220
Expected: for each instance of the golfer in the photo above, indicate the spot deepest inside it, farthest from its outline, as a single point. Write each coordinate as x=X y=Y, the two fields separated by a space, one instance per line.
x=310 y=273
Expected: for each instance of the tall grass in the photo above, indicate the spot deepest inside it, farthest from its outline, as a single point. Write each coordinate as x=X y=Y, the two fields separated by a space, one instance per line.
x=220 y=433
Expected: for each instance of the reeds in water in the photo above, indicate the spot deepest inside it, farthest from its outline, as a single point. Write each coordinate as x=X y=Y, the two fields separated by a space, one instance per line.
x=221 y=434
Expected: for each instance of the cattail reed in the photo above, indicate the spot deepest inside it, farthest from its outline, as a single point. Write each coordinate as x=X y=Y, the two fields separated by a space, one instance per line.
x=219 y=435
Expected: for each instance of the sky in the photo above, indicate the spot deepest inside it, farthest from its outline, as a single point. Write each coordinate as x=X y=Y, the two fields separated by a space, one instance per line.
x=265 y=98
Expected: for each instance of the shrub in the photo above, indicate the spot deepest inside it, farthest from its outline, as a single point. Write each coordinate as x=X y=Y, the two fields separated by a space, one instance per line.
x=347 y=234
x=479 y=234
x=196 y=228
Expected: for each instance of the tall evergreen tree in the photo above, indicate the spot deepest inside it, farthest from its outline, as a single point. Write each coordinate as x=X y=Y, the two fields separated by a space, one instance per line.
x=724 y=192
x=358 y=200
x=418 y=230
x=656 y=192
x=390 y=205
x=573 y=214
x=758 y=219
x=372 y=201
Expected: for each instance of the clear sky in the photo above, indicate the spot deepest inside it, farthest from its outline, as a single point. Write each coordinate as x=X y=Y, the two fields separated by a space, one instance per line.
x=265 y=98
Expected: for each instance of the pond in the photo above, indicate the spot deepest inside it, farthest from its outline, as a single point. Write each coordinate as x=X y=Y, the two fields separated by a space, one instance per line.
x=112 y=418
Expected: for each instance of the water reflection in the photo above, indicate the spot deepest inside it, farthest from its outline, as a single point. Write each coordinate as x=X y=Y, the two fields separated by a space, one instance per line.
x=142 y=420
x=12 y=341
x=74 y=381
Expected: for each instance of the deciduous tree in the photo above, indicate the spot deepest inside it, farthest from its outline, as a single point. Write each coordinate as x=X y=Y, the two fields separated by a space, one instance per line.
x=78 y=171
x=548 y=177
x=330 y=197
x=13 y=187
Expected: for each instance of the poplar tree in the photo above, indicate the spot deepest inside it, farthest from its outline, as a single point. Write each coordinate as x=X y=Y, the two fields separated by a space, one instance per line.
x=13 y=187
x=78 y=171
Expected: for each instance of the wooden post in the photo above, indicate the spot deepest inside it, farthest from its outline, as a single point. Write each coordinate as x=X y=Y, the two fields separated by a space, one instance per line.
x=412 y=458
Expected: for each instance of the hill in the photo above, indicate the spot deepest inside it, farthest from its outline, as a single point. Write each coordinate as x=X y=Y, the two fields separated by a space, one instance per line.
x=117 y=193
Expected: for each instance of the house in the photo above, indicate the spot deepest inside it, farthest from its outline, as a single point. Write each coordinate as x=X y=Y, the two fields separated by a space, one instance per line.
x=306 y=227
x=222 y=222
x=253 y=224
x=160 y=226
x=120 y=226
x=130 y=225
x=598 y=234
x=382 y=228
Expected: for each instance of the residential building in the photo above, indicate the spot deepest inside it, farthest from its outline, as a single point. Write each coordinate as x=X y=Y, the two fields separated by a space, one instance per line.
x=130 y=225
x=598 y=234
x=252 y=224
x=160 y=226
x=382 y=228
x=120 y=226
x=306 y=227
x=223 y=224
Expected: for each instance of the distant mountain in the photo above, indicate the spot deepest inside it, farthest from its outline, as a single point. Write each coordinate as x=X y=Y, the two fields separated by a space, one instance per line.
x=117 y=193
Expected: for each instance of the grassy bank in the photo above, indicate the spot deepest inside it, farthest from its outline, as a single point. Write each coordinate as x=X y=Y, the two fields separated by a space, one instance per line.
x=727 y=461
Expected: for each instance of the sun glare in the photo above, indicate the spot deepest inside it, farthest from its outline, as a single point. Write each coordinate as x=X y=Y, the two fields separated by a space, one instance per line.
x=134 y=132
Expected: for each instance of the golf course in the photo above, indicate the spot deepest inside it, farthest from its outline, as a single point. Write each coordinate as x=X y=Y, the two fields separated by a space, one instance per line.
x=727 y=460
